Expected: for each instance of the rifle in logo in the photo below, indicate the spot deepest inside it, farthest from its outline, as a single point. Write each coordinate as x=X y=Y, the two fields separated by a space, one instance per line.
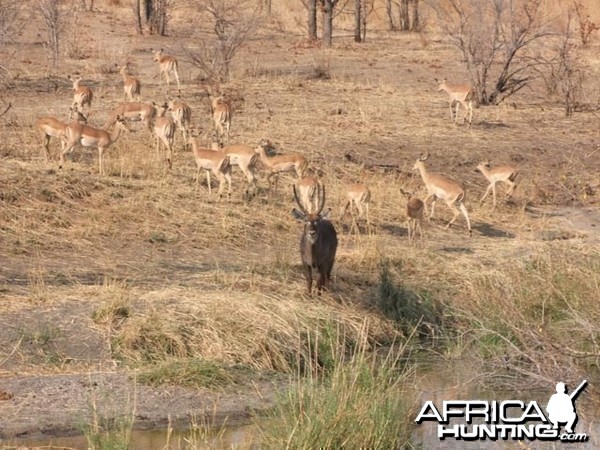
x=561 y=408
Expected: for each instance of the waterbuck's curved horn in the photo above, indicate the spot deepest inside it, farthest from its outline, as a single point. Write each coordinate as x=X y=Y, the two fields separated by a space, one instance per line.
x=322 y=197
x=300 y=205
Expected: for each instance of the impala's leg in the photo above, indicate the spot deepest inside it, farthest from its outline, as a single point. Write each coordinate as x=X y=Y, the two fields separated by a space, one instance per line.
x=208 y=182
x=197 y=178
x=408 y=229
x=68 y=148
x=455 y=212
x=177 y=78
x=170 y=155
x=463 y=208
x=368 y=218
x=494 y=195
x=228 y=178
x=511 y=189
x=418 y=222
x=432 y=207
x=47 y=146
x=451 y=110
x=101 y=160
x=470 y=109
x=487 y=191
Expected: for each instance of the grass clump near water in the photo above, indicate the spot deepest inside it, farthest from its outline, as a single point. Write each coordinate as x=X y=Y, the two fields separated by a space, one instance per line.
x=360 y=403
x=193 y=372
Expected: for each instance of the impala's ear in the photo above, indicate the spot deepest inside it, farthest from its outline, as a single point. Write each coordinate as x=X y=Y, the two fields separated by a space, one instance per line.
x=298 y=215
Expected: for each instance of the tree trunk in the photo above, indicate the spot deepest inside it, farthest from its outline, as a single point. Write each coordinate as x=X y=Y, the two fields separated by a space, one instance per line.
x=312 y=20
x=357 y=20
x=390 y=15
x=403 y=16
x=268 y=7
x=415 y=23
x=137 y=11
x=328 y=7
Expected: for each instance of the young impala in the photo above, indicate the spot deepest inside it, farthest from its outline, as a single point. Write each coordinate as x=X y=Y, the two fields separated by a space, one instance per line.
x=275 y=165
x=164 y=133
x=134 y=112
x=441 y=187
x=86 y=136
x=213 y=161
x=82 y=96
x=222 y=112
x=168 y=65
x=307 y=188
x=246 y=158
x=461 y=94
x=49 y=127
x=358 y=196
x=131 y=86
x=182 y=116
x=414 y=215
x=318 y=243
x=506 y=174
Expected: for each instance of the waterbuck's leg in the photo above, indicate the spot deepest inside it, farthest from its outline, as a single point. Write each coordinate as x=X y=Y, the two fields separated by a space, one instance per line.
x=320 y=280
x=308 y=274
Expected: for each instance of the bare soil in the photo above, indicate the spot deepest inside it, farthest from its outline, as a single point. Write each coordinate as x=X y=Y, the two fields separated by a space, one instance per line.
x=65 y=234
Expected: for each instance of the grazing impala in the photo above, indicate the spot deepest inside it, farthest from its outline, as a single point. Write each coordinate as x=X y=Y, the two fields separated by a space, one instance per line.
x=246 y=158
x=87 y=136
x=213 y=161
x=83 y=96
x=134 y=112
x=307 y=188
x=506 y=174
x=318 y=243
x=182 y=116
x=461 y=94
x=168 y=65
x=50 y=127
x=131 y=86
x=414 y=215
x=164 y=133
x=222 y=112
x=441 y=187
x=359 y=197
x=275 y=165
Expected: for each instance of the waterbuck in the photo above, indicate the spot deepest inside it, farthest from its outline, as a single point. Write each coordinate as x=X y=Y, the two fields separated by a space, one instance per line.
x=318 y=243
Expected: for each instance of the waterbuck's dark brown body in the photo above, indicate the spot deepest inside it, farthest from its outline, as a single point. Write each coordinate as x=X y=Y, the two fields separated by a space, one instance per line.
x=318 y=243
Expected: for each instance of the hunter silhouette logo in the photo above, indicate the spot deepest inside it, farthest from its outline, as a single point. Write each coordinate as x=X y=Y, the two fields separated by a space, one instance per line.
x=509 y=419
x=561 y=408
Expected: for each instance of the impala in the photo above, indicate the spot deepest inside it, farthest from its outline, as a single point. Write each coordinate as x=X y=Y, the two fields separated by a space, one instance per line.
x=213 y=161
x=358 y=196
x=441 y=187
x=414 y=215
x=461 y=94
x=307 y=188
x=318 y=243
x=246 y=158
x=132 y=111
x=506 y=174
x=131 y=86
x=275 y=165
x=168 y=65
x=222 y=112
x=164 y=133
x=182 y=116
x=87 y=136
x=50 y=127
x=83 y=96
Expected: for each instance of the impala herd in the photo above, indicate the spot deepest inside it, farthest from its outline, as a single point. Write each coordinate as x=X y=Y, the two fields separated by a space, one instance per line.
x=319 y=239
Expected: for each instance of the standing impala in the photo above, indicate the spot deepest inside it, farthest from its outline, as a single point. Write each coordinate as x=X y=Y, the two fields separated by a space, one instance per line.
x=164 y=133
x=318 y=243
x=82 y=96
x=131 y=86
x=222 y=112
x=461 y=94
x=441 y=187
x=213 y=161
x=506 y=174
x=49 y=127
x=168 y=65
x=132 y=111
x=358 y=196
x=87 y=136
x=182 y=116
x=275 y=165
x=246 y=158
x=414 y=215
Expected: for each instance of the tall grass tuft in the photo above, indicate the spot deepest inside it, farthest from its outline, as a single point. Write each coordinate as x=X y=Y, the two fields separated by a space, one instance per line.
x=359 y=403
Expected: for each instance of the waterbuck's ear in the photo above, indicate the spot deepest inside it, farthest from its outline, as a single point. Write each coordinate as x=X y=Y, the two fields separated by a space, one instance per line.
x=298 y=215
x=326 y=214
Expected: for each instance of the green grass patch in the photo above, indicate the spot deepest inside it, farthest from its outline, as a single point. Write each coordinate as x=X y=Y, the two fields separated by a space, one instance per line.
x=193 y=372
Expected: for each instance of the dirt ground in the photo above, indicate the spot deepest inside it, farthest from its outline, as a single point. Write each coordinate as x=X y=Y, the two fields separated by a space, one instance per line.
x=63 y=234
